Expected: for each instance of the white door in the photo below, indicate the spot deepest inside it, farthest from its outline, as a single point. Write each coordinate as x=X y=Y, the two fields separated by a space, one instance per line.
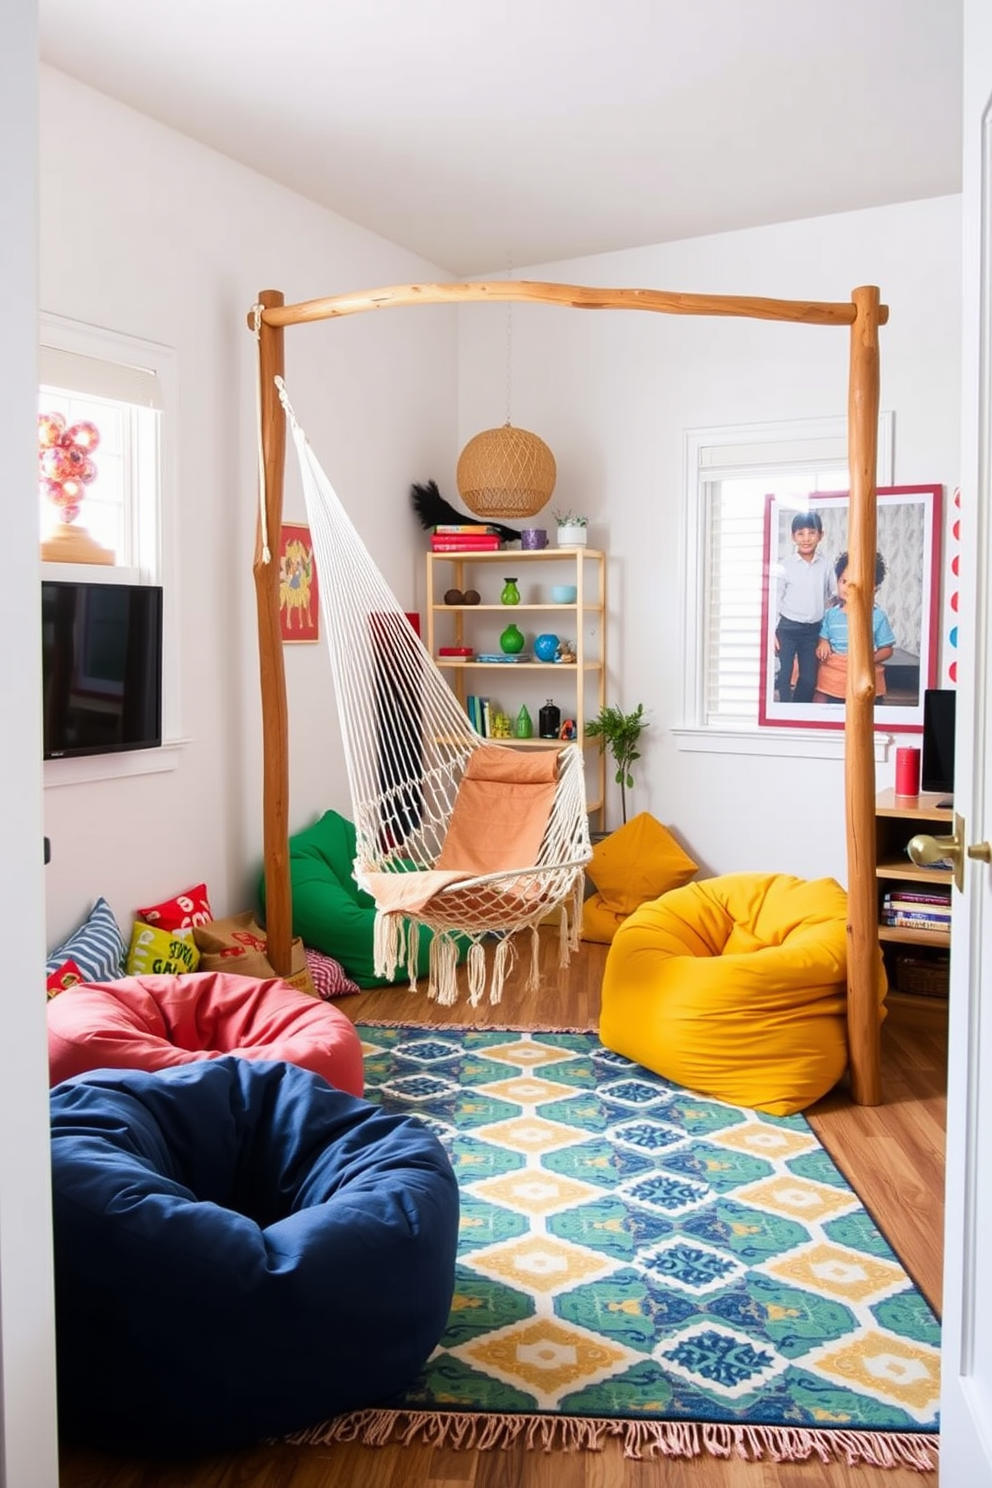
x=966 y=1360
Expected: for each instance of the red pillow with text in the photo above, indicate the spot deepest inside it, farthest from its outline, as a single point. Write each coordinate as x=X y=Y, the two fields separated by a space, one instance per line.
x=185 y=910
x=66 y=975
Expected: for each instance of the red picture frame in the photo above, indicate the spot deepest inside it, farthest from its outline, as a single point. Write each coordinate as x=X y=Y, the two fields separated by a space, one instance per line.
x=909 y=527
x=299 y=597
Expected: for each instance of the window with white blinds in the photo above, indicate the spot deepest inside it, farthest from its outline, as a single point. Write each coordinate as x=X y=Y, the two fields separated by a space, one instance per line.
x=730 y=474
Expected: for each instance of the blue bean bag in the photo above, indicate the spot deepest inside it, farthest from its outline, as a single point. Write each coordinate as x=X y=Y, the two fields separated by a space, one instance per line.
x=240 y=1251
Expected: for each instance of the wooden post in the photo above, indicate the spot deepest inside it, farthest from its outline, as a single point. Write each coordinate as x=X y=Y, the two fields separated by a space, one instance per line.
x=859 y=725
x=272 y=671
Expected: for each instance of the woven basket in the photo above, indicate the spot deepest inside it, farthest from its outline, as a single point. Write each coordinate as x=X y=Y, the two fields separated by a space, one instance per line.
x=924 y=976
x=506 y=472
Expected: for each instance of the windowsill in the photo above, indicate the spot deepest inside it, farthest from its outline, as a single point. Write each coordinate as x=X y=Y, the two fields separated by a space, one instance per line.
x=113 y=766
x=91 y=573
x=792 y=743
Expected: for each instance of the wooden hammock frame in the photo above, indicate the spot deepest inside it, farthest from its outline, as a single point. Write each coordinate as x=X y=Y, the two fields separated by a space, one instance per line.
x=863 y=314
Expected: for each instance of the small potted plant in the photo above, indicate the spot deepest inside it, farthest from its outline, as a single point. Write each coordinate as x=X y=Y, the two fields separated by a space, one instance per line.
x=619 y=732
x=571 y=529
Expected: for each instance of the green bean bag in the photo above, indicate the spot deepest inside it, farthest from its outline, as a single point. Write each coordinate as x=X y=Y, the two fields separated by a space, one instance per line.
x=330 y=912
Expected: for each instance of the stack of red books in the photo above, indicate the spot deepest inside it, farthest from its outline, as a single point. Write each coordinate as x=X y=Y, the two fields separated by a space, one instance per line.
x=471 y=537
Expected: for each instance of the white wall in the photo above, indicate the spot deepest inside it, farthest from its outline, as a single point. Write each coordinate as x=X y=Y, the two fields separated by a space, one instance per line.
x=144 y=231
x=28 y=1456
x=612 y=392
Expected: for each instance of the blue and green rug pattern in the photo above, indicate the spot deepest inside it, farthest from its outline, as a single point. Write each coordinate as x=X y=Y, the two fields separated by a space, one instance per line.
x=639 y=1261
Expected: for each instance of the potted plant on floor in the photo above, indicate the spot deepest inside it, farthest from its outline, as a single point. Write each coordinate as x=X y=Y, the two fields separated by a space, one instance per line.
x=619 y=732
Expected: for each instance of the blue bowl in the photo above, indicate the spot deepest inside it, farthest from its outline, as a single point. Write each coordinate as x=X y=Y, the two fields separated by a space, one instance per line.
x=564 y=593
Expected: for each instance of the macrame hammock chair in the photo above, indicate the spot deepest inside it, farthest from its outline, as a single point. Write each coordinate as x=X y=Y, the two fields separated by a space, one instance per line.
x=470 y=839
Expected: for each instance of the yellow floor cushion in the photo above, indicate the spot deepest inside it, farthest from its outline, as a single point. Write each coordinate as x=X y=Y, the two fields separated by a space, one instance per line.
x=735 y=987
x=639 y=861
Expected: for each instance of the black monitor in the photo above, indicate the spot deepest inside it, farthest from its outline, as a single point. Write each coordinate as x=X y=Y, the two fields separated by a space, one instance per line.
x=937 y=758
x=101 y=667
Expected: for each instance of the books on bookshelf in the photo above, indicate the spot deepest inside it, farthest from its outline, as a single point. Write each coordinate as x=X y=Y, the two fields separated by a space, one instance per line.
x=914 y=922
x=472 y=529
x=464 y=545
x=479 y=712
x=912 y=909
x=471 y=537
x=920 y=896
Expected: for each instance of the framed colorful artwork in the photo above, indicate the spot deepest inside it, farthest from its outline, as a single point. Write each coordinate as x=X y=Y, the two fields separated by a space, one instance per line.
x=299 y=600
x=804 y=620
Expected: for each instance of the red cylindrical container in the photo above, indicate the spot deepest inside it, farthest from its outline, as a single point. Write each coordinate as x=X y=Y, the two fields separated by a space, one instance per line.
x=907 y=772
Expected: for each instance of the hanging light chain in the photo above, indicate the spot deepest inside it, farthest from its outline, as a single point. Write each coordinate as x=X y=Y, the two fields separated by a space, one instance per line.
x=509 y=342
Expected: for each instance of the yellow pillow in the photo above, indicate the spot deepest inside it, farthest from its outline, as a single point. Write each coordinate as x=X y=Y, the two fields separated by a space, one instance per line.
x=599 y=923
x=157 y=952
x=639 y=861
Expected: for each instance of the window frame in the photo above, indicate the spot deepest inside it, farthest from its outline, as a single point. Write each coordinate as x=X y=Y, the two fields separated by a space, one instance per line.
x=156 y=542
x=723 y=452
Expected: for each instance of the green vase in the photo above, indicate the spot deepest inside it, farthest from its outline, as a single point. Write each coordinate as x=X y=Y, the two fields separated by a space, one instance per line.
x=510 y=594
x=512 y=640
x=524 y=726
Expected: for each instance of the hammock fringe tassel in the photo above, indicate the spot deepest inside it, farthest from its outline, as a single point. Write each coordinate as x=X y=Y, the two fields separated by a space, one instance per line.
x=684 y=1439
x=396 y=943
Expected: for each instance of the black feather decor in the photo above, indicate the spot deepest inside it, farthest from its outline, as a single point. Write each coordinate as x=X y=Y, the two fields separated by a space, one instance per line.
x=433 y=511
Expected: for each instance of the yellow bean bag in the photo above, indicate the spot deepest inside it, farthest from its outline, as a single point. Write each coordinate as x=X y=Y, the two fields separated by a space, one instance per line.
x=736 y=987
x=639 y=861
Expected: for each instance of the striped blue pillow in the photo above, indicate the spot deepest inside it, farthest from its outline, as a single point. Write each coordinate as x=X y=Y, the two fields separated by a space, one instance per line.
x=97 y=947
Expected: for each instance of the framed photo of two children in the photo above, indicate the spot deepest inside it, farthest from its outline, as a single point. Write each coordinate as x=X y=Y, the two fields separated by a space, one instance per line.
x=804 y=619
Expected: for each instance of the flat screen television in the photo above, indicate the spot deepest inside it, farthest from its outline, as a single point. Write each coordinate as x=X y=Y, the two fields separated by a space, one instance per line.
x=101 y=667
x=937 y=752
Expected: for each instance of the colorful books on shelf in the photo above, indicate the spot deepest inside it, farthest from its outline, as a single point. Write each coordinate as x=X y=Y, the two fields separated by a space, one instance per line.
x=468 y=529
x=479 y=714
x=470 y=538
x=919 y=896
x=916 y=910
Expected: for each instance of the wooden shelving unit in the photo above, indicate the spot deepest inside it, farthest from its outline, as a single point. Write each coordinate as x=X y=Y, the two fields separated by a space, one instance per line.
x=897 y=821
x=578 y=688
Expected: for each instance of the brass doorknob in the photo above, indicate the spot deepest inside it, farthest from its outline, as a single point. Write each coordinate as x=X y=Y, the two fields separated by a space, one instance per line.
x=926 y=850
x=982 y=851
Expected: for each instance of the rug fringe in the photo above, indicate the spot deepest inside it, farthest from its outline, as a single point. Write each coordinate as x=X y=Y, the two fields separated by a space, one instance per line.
x=471 y=1027
x=469 y=1431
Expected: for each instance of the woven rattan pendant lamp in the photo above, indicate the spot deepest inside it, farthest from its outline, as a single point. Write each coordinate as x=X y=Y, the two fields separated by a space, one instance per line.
x=506 y=472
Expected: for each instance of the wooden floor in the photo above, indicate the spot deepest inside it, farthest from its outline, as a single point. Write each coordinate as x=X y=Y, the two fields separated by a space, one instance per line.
x=893 y=1155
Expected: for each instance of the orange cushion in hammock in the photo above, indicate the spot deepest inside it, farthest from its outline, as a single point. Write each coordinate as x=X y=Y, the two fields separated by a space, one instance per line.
x=501 y=811
x=498 y=821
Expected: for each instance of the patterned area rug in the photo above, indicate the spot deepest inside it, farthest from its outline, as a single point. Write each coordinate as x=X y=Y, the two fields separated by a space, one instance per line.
x=640 y=1262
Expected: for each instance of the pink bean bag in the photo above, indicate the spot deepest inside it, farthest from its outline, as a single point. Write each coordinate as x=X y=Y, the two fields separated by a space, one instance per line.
x=155 y=1022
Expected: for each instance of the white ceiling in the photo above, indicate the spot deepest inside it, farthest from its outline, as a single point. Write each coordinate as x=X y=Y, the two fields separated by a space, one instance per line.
x=520 y=132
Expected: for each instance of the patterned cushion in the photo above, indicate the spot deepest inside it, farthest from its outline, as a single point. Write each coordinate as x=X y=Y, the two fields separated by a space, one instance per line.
x=66 y=975
x=328 y=976
x=156 y=952
x=97 y=947
x=191 y=907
